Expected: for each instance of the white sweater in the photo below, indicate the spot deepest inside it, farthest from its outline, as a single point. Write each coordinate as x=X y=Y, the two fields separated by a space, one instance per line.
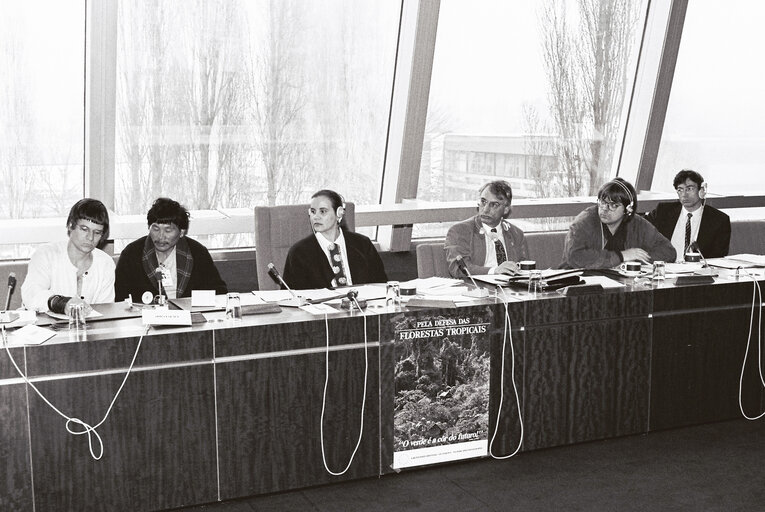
x=50 y=272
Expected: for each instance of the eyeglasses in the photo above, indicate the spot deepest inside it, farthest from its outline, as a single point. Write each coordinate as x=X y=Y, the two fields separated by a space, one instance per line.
x=609 y=205
x=492 y=204
x=690 y=189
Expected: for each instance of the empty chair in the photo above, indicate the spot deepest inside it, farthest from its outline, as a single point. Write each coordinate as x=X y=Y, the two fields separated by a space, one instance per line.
x=431 y=261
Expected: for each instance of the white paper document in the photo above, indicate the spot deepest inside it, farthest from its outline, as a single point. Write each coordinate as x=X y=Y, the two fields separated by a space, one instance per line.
x=431 y=282
x=245 y=299
x=318 y=309
x=202 y=298
x=93 y=314
x=738 y=261
x=310 y=295
x=30 y=335
x=605 y=282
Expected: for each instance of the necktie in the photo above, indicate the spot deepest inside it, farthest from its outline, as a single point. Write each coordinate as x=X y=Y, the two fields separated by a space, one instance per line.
x=688 y=233
x=498 y=247
x=337 y=266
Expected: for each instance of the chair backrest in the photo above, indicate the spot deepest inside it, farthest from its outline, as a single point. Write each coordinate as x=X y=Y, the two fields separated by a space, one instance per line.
x=546 y=248
x=747 y=237
x=277 y=228
x=431 y=261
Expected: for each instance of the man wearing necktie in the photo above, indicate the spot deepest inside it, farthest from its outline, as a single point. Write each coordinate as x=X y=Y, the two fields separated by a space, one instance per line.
x=690 y=220
x=487 y=242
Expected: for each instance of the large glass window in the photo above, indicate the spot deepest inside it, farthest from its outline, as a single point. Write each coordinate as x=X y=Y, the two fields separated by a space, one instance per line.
x=532 y=92
x=233 y=103
x=715 y=120
x=42 y=112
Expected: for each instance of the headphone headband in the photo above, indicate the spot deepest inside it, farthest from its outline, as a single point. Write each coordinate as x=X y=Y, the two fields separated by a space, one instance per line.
x=630 y=207
x=629 y=194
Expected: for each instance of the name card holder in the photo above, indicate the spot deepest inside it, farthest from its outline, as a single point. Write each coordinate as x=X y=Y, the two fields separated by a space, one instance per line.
x=166 y=317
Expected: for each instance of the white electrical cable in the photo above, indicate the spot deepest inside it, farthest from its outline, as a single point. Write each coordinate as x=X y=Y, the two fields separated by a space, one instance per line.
x=756 y=292
x=507 y=331
x=87 y=429
x=324 y=396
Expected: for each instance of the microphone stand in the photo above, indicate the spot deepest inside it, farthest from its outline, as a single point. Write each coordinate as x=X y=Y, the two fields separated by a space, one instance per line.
x=476 y=292
x=161 y=299
x=695 y=245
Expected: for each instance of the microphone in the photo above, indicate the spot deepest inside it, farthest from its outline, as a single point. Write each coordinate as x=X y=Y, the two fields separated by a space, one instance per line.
x=5 y=316
x=274 y=274
x=160 y=274
x=478 y=292
x=11 y=288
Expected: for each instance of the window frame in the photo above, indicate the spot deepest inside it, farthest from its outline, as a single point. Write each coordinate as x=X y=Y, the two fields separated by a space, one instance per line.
x=398 y=208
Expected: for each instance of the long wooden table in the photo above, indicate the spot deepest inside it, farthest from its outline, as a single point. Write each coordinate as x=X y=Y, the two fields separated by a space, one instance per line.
x=220 y=411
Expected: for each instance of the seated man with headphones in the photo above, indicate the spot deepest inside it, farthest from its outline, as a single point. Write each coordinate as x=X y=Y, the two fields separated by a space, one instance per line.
x=605 y=235
x=332 y=257
x=689 y=220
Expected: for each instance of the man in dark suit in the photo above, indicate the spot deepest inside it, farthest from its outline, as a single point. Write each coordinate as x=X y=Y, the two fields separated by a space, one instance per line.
x=691 y=220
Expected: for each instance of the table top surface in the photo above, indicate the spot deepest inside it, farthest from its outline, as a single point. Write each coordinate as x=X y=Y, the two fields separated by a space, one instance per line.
x=121 y=320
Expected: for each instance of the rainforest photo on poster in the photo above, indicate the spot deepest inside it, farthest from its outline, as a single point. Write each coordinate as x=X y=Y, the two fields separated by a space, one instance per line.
x=441 y=379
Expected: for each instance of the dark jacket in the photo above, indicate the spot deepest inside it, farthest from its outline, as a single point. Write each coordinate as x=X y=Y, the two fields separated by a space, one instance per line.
x=307 y=268
x=135 y=270
x=714 y=230
x=584 y=245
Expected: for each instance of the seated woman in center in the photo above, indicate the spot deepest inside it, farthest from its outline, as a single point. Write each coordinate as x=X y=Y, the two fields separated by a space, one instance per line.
x=333 y=256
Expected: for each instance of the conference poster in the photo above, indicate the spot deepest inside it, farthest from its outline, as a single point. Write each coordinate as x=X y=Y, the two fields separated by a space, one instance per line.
x=442 y=368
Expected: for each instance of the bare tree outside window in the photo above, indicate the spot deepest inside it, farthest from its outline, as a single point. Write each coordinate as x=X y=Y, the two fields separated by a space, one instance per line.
x=41 y=111
x=277 y=93
x=17 y=135
x=227 y=103
x=587 y=58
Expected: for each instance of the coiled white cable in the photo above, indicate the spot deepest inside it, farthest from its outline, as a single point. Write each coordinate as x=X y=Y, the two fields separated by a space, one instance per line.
x=507 y=332
x=756 y=292
x=87 y=429
x=324 y=396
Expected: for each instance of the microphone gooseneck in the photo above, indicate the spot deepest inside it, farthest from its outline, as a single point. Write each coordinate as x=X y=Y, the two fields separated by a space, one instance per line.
x=695 y=247
x=160 y=274
x=278 y=280
x=463 y=267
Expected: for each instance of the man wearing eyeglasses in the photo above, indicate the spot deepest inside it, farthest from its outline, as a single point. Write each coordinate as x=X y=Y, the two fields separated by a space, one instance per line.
x=487 y=242
x=605 y=235
x=690 y=220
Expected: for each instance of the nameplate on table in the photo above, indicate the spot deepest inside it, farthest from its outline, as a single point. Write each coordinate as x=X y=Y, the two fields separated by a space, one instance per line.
x=166 y=317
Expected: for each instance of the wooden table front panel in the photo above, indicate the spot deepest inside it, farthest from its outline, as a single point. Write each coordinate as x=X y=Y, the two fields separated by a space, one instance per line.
x=269 y=407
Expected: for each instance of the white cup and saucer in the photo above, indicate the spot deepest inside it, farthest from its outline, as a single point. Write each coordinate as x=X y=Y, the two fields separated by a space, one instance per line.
x=629 y=268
